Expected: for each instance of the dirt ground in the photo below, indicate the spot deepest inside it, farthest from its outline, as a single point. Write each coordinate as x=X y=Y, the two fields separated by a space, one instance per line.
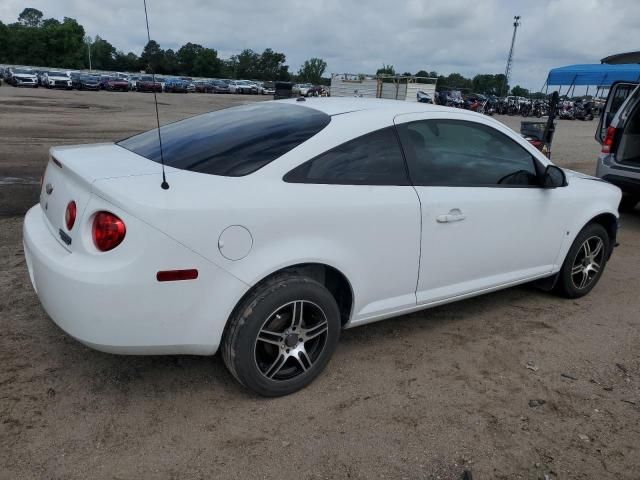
x=424 y=396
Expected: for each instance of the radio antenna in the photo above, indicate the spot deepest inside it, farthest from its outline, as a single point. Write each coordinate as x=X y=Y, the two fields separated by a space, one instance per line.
x=164 y=184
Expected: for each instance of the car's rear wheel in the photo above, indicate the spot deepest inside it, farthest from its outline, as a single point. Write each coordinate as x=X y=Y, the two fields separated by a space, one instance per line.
x=282 y=335
x=585 y=262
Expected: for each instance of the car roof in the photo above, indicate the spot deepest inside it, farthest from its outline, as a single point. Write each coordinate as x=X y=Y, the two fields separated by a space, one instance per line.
x=341 y=105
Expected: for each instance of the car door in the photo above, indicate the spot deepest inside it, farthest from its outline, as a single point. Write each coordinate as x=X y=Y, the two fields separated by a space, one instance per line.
x=618 y=94
x=356 y=199
x=485 y=221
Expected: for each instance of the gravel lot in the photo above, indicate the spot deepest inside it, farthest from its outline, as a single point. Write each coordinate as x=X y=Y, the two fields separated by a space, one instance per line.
x=427 y=395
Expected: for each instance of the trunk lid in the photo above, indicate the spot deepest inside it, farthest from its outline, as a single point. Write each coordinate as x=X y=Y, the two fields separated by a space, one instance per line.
x=70 y=175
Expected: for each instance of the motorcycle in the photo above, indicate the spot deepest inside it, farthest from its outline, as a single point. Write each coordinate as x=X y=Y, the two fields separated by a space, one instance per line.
x=487 y=108
x=424 y=97
x=583 y=110
x=538 y=109
x=566 y=111
x=525 y=109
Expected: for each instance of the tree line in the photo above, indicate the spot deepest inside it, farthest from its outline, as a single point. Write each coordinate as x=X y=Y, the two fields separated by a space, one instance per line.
x=34 y=40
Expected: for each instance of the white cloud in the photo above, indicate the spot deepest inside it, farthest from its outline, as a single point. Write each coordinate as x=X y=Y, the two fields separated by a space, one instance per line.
x=463 y=36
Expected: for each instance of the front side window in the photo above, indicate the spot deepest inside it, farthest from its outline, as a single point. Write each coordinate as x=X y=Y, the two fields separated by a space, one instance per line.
x=373 y=159
x=461 y=153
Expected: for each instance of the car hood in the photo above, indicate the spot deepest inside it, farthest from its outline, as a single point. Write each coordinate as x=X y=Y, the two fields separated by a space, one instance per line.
x=25 y=75
x=56 y=77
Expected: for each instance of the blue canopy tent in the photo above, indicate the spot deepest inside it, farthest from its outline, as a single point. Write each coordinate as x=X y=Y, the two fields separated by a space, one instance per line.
x=600 y=75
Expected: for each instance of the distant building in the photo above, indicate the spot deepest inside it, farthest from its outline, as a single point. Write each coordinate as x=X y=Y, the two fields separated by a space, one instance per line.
x=628 y=57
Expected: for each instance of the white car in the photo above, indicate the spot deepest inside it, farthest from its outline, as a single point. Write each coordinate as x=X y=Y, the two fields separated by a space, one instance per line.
x=23 y=77
x=302 y=89
x=286 y=221
x=242 y=86
x=56 y=79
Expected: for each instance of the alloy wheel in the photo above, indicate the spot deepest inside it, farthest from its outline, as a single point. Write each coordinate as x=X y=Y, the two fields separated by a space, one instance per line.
x=291 y=340
x=587 y=262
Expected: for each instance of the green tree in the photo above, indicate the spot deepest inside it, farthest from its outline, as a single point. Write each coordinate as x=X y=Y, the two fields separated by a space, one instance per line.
x=518 y=91
x=207 y=63
x=170 y=62
x=386 y=70
x=271 y=66
x=103 y=54
x=152 y=58
x=312 y=70
x=489 y=84
x=186 y=57
x=245 y=64
x=126 y=63
x=30 y=17
x=454 y=81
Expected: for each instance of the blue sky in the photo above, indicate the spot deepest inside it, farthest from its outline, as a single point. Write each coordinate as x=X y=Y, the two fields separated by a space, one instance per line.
x=463 y=36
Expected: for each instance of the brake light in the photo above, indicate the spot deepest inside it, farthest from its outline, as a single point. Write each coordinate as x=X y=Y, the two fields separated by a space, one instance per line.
x=108 y=231
x=608 y=145
x=70 y=214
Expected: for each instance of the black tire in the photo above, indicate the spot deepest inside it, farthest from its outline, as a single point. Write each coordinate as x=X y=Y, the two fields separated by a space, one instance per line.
x=570 y=285
x=271 y=307
x=628 y=203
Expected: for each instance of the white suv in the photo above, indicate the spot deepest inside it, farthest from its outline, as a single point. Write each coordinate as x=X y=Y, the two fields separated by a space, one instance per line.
x=56 y=79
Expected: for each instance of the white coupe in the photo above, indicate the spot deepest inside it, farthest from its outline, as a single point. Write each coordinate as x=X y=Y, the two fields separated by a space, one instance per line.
x=287 y=221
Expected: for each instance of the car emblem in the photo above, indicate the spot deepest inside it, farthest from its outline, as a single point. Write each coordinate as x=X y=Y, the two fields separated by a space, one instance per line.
x=48 y=188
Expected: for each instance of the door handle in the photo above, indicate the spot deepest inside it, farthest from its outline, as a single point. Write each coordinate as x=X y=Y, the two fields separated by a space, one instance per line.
x=454 y=215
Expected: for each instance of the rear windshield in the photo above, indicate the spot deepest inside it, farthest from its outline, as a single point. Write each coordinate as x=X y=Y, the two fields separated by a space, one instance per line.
x=231 y=142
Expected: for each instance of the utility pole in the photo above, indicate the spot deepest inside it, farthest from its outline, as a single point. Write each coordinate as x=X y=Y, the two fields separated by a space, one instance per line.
x=89 y=49
x=88 y=40
x=507 y=71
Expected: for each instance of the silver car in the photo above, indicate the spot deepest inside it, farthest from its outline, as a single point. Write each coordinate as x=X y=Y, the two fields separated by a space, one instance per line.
x=619 y=135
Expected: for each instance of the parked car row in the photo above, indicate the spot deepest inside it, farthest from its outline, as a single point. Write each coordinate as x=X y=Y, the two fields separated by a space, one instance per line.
x=34 y=78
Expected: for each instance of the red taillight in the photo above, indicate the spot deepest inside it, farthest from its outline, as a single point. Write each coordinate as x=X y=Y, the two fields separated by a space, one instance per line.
x=608 y=145
x=175 y=275
x=108 y=231
x=70 y=214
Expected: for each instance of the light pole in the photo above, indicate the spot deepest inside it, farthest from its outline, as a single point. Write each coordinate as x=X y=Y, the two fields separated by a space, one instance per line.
x=507 y=71
x=88 y=40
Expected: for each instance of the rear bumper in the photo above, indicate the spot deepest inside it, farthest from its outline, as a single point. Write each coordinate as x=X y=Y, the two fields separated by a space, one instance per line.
x=114 y=303
x=625 y=178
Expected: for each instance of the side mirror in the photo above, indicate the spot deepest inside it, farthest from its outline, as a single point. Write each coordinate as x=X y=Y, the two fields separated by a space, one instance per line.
x=554 y=177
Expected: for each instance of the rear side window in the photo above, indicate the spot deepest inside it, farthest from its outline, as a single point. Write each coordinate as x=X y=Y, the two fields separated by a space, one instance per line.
x=460 y=153
x=231 y=142
x=373 y=159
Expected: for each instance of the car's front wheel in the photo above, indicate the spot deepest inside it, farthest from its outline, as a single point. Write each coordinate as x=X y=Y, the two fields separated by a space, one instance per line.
x=585 y=262
x=282 y=335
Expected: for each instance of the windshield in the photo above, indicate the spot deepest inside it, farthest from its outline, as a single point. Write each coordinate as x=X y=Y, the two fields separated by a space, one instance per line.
x=23 y=70
x=57 y=74
x=231 y=142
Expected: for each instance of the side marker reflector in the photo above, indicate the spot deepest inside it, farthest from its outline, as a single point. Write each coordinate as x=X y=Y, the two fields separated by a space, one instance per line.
x=176 y=275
